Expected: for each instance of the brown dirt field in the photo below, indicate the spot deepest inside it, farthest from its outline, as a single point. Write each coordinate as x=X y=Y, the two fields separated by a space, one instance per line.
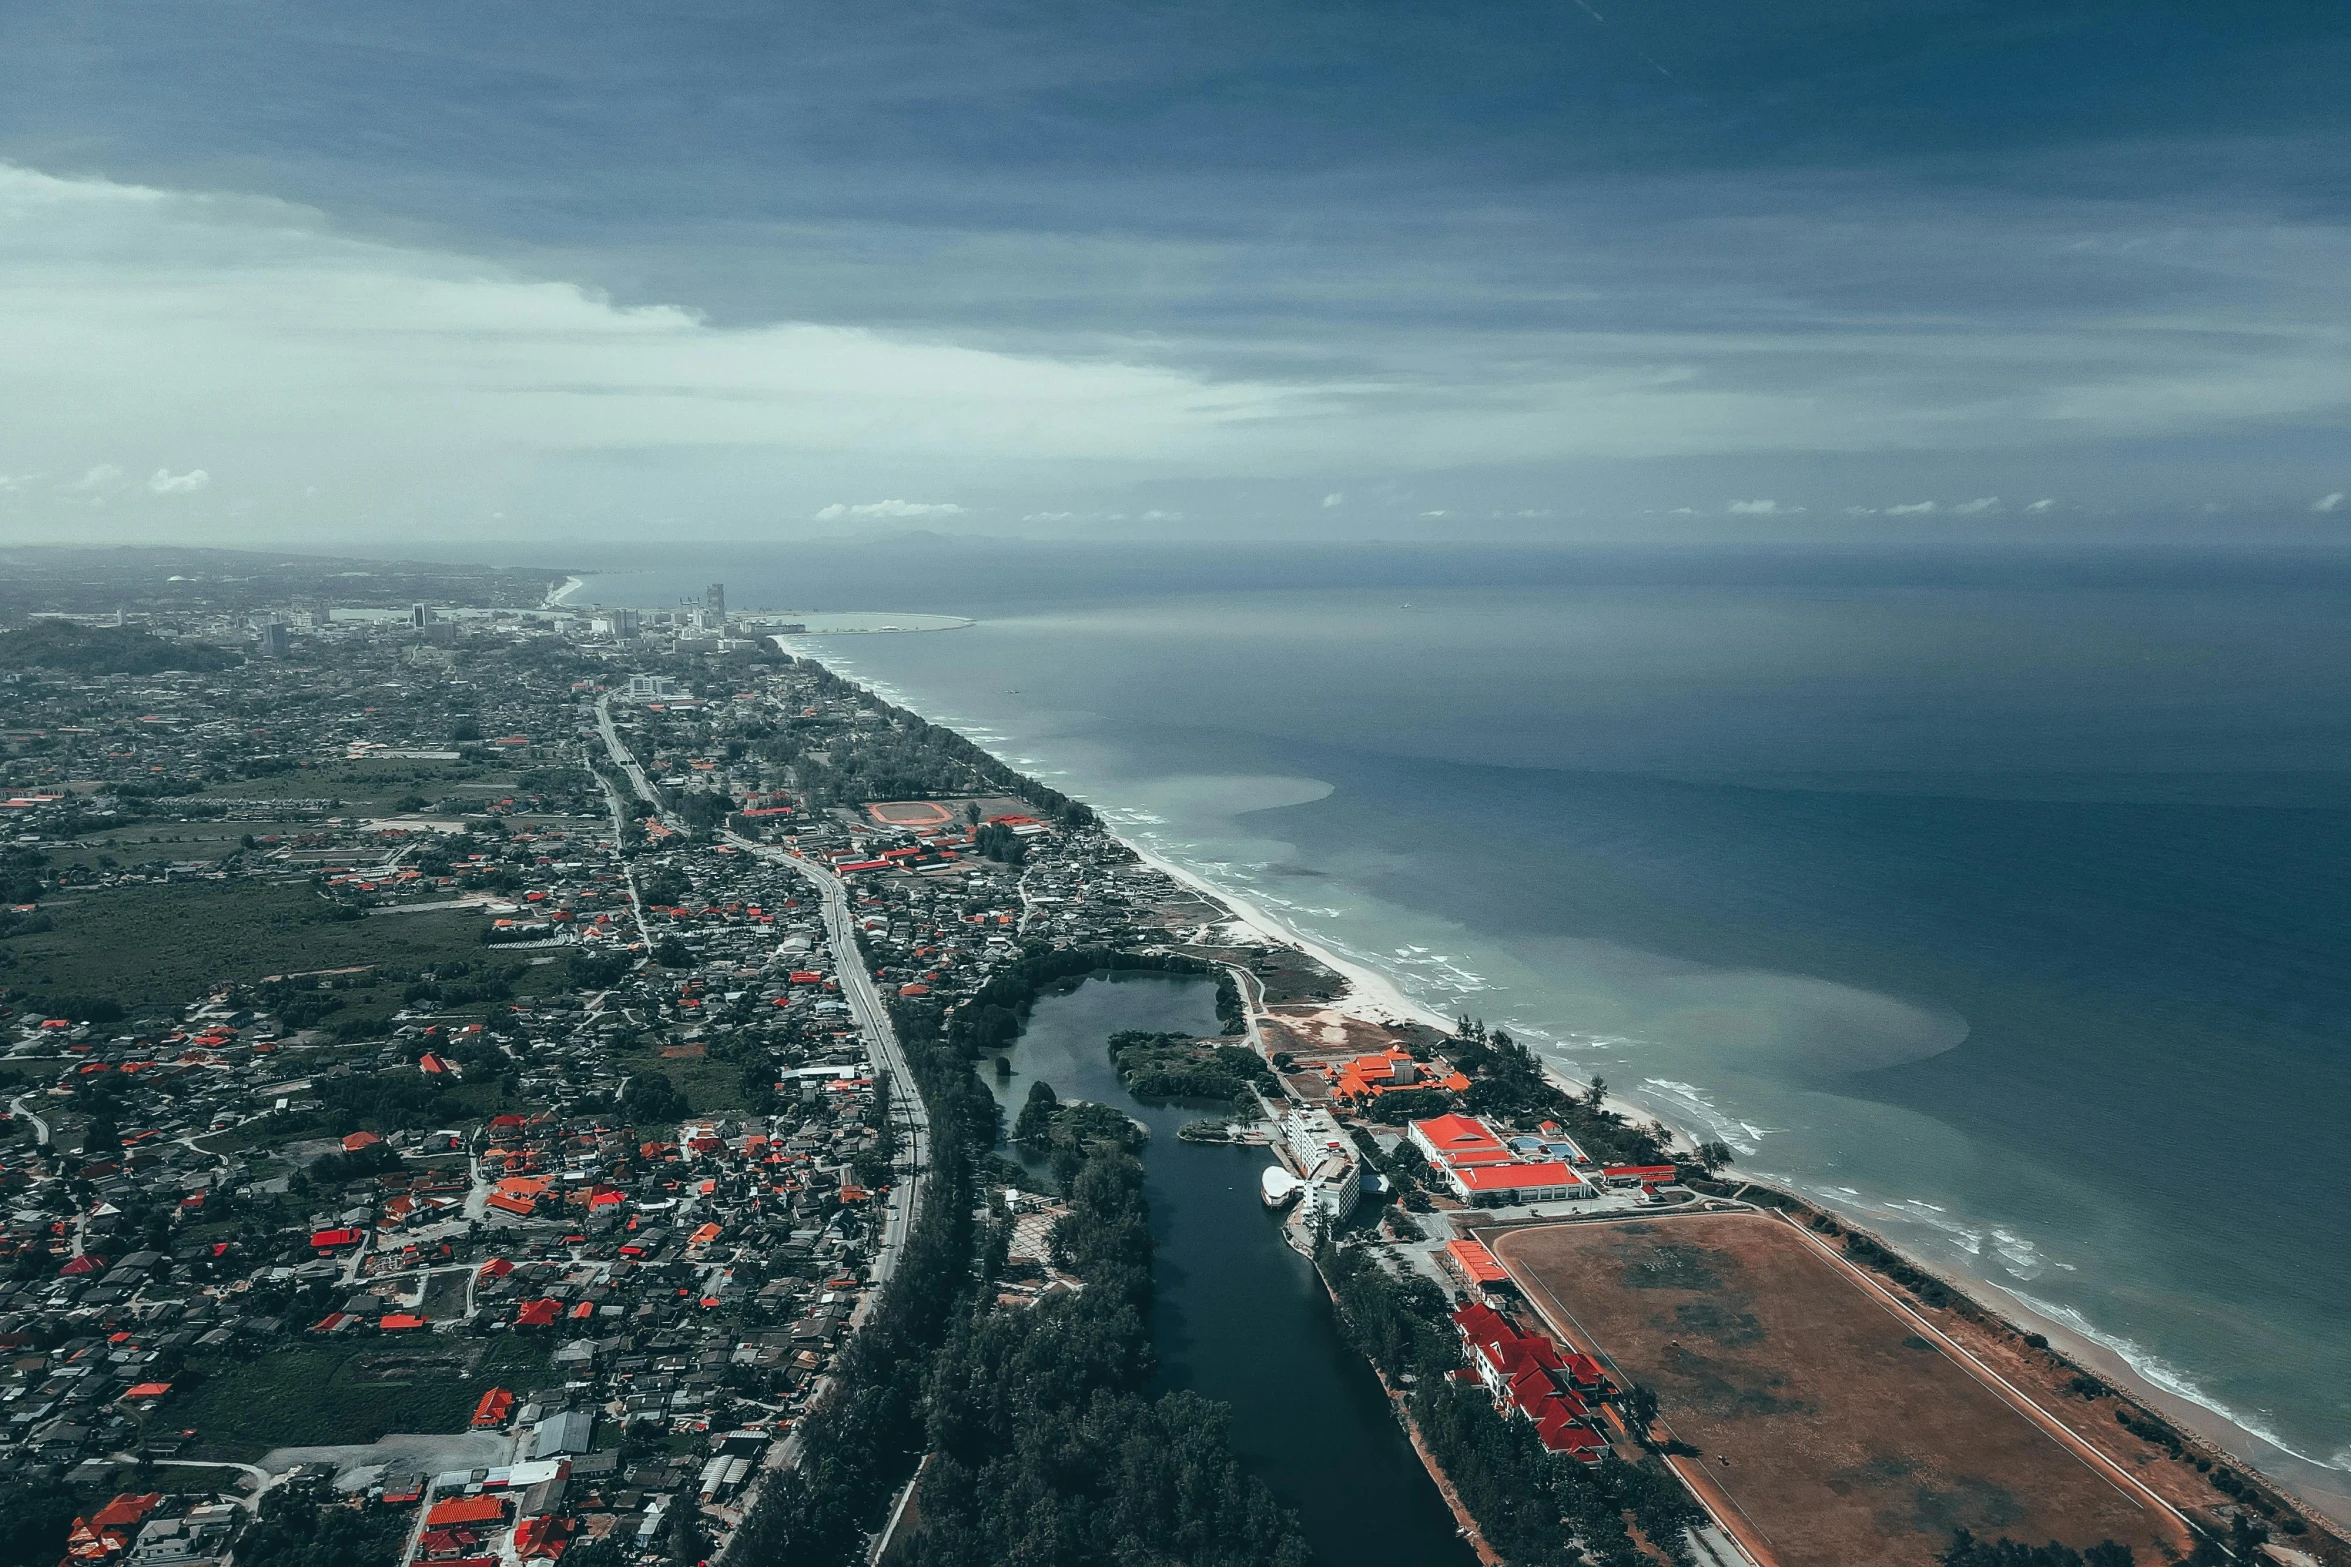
x=1851 y=1437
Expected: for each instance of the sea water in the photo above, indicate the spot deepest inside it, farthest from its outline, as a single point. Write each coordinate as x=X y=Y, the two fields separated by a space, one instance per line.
x=2003 y=902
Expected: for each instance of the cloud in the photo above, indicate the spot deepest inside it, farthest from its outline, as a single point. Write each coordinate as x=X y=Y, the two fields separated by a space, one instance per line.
x=1911 y=509
x=2043 y=504
x=1977 y=507
x=98 y=480
x=2331 y=501
x=868 y=509
x=1762 y=509
x=165 y=482
x=1333 y=499
x=1436 y=514
x=1050 y=516
x=1861 y=511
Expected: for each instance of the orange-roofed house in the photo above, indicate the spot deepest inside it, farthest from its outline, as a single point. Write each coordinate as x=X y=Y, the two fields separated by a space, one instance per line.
x=518 y=1194
x=403 y=1322
x=1474 y=1265
x=459 y=1511
x=109 y=1531
x=1368 y=1077
x=1453 y=1140
x=538 y=1313
x=359 y=1140
x=541 y=1539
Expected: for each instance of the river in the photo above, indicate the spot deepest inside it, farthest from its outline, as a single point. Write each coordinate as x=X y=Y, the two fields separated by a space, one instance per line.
x=1239 y=1316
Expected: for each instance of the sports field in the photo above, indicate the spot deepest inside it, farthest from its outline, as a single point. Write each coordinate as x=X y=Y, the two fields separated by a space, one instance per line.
x=1836 y=1430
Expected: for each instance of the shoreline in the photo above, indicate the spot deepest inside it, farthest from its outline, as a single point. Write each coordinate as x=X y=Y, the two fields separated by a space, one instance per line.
x=1374 y=997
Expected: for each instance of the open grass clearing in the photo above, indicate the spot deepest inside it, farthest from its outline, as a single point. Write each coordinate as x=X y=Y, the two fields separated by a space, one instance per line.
x=1839 y=1432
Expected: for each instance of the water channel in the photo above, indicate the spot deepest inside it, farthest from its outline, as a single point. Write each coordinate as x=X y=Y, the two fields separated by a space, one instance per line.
x=1239 y=1316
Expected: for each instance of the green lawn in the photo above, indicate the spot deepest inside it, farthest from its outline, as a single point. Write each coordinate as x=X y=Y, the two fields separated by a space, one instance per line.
x=711 y=1086
x=364 y=787
x=312 y=1394
x=157 y=948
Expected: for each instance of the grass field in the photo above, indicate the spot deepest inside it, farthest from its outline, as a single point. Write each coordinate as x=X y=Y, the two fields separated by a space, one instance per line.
x=1839 y=1433
x=156 y=948
x=309 y=1395
x=364 y=787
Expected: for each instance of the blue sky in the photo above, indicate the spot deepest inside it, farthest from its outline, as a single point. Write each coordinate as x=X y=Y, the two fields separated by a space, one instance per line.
x=1669 y=269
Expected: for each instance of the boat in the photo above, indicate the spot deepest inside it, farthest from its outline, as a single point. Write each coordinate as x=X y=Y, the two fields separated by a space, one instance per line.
x=1279 y=1187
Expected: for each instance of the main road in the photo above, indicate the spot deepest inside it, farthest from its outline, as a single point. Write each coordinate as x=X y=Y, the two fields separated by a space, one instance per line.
x=906 y=1110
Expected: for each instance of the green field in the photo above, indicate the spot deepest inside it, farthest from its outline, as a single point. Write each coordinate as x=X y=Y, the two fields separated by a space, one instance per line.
x=156 y=948
x=309 y=1395
x=365 y=788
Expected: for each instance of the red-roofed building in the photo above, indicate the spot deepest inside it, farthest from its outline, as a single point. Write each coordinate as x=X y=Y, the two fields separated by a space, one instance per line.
x=494 y=1408
x=1474 y=1265
x=108 y=1532
x=1527 y=1373
x=462 y=1511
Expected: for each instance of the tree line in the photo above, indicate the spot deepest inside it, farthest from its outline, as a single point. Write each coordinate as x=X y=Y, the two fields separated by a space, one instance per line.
x=1534 y=1507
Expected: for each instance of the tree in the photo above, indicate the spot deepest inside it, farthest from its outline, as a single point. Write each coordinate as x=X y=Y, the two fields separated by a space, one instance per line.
x=684 y=1541
x=101 y=1137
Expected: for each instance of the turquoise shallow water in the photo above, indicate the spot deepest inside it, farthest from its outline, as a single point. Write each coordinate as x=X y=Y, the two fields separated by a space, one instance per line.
x=2003 y=903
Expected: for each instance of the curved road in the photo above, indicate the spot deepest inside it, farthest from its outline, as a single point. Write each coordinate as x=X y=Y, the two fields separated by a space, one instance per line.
x=17 y=1106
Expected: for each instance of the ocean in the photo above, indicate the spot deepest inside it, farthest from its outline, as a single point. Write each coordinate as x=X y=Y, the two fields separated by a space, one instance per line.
x=2002 y=900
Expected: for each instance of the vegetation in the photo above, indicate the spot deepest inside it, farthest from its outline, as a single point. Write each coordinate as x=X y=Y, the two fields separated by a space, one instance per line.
x=1046 y=1448
x=1067 y=1134
x=295 y=1531
x=48 y=643
x=992 y=1019
x=1533 y=1507
x=34 y=1518
x=306 y=1394
x=1177 y=1066
x=150 y=948
x=1510 y=1086
x=1968 y=1551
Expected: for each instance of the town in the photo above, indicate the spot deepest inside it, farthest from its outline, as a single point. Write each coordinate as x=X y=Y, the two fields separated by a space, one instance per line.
x=473 y=1076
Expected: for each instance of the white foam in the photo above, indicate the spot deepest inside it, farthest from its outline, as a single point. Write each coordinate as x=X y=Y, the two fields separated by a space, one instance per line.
x=2155 y=1370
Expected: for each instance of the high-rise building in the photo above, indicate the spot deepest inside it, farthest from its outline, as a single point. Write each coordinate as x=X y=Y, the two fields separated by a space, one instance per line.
x=714 y=606
x=272 y=637
x=419 y=616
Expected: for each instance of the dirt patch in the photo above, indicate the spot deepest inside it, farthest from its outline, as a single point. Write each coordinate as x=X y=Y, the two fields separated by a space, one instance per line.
x=1849 y=1436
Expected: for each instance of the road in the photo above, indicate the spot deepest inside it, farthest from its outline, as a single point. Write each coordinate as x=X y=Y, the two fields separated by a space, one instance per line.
x=906 y=1109
x=907 y=1114
x=865 y=1004
x=17 y=1106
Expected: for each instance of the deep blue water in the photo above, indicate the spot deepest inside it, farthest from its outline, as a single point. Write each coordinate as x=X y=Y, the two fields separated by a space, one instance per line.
x=2001 y=900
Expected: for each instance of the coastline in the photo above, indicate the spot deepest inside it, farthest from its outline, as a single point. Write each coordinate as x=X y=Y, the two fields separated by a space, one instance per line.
x=1370 y=995
x=1375 y=997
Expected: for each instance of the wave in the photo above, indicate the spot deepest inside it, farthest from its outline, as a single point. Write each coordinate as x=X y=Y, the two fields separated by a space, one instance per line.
x=2160 y=1373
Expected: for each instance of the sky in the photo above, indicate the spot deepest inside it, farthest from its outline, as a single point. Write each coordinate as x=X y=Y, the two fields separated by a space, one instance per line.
x=285 y=271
